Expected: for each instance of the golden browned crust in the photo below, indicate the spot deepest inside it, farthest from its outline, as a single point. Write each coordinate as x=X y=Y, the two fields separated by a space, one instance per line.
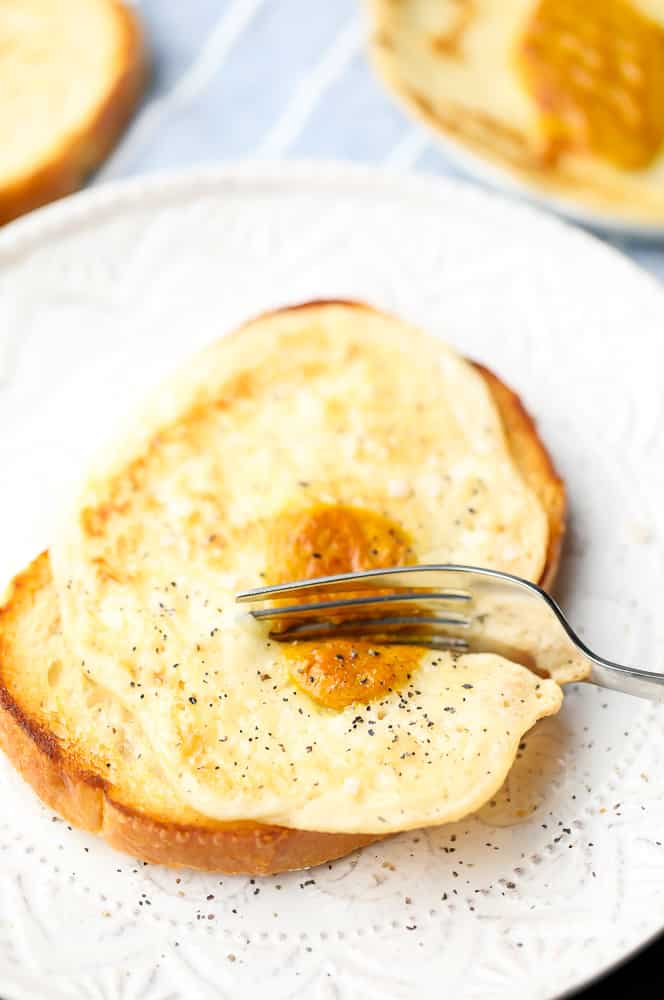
x=82 y=152
x=534 y=463
x=236 y=849
x=84 y=801
x=69 y=785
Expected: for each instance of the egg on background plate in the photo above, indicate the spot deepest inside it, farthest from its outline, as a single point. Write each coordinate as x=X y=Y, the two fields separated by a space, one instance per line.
x=563 y=97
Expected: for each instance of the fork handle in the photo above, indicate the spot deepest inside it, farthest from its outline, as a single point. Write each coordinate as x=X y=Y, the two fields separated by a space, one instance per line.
x=628 y=680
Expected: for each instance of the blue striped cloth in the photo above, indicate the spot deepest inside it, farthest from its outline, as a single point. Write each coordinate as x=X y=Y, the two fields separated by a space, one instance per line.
x=274 y=79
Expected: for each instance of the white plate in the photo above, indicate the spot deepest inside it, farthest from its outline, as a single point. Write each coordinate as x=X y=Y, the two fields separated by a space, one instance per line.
x=103 y=293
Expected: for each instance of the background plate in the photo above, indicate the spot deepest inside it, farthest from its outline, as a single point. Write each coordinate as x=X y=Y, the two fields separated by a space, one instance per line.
x=99 y=297
x=502 y=179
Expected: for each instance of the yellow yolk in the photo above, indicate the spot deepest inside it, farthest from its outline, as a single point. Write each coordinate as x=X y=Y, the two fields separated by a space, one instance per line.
x=340 y=672
x=596 y=71
x=326 y=539
x=320 y=541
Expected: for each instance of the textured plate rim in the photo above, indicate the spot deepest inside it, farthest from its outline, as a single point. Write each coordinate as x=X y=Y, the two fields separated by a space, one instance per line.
x=37 y=226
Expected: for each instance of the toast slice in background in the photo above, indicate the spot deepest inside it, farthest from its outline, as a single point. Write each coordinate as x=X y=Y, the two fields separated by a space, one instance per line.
x=71 y=74
x=106 y=787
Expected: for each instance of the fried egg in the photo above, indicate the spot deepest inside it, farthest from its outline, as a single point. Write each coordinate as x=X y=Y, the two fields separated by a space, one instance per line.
x=314 y=440
x=565 y=97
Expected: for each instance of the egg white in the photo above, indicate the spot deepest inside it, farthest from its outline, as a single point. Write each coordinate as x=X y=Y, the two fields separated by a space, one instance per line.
x=328 y=404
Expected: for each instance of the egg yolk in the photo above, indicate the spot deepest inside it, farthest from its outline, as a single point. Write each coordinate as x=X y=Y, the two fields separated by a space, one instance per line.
x=326 y=539
x=596 y=71
x=339 y=672
x=323 y=540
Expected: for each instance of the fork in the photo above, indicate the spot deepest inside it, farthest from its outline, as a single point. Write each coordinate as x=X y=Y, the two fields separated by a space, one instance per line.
x=457 y=608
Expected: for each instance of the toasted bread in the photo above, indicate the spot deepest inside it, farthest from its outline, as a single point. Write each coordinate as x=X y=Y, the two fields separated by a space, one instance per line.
x=74 y=70
x=106 y=796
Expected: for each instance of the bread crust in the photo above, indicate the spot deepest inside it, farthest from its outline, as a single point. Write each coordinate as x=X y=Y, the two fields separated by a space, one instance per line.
x=87 y=800
x=535 y=465
x=82 y=151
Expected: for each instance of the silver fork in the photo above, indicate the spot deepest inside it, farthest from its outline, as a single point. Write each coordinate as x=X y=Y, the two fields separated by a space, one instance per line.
x=457 y=608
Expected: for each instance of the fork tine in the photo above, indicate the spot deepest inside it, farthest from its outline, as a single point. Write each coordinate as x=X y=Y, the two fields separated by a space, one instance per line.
x=427 y=622
x=415 y=578
x=433 y=632
x=379 y=632
x=350 y=604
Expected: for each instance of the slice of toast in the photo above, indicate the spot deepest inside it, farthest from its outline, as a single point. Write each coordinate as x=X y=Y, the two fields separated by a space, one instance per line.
x=74 y=71
x=101 y=787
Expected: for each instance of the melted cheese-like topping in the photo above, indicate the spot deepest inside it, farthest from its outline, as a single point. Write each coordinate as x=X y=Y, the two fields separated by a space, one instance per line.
x=328 y=437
